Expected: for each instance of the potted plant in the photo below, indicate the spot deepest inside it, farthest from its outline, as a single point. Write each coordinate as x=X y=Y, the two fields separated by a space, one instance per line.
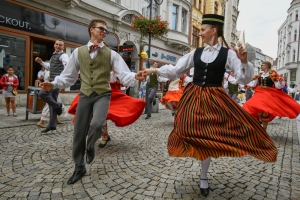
x=156 y=26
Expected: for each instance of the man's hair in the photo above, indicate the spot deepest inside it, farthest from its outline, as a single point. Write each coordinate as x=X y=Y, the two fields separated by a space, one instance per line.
x=60 y=40
x=94 y=22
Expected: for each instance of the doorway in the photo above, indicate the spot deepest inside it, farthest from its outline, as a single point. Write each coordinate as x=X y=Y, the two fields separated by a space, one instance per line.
x=40 y=48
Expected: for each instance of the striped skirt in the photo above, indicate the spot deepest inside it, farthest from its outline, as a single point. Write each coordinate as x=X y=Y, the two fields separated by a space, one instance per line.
x=209 y=123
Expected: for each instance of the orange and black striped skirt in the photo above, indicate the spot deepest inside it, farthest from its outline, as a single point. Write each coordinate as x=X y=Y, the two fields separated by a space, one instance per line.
x=209 y=123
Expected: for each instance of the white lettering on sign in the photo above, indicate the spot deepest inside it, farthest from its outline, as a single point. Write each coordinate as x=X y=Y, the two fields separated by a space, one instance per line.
x=14 y=22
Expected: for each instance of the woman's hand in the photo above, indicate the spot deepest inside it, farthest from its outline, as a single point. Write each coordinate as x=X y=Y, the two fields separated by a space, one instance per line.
x=241 y=54
x=147 y=72
x=139 y=75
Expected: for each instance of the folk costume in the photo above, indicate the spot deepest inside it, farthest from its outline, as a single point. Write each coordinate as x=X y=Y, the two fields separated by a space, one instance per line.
x=208 y=122
x=268 y=99
x=171 y=98
x=58 y=61
x=95 y=63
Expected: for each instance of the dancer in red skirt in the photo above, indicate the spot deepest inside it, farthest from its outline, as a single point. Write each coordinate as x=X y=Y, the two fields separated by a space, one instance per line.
x=175 y=91
x=268 y=86
x=120 y=114
x=208 y=122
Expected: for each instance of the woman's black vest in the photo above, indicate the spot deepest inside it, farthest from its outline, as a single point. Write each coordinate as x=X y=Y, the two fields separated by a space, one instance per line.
x=267 y=81
x=209 y=74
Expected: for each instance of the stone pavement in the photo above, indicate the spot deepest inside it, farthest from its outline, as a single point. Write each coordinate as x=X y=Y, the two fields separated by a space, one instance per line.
x=135 y=164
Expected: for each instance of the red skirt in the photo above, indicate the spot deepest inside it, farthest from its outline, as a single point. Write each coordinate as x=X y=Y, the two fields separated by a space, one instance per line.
x=273 y=101
x=123 y=109
x=171 y=96
x=209 y=123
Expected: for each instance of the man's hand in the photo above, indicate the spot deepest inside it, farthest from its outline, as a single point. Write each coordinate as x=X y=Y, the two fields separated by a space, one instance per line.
x=241 y=53
x=38 y=60
x=46 y=86
x=139 y=75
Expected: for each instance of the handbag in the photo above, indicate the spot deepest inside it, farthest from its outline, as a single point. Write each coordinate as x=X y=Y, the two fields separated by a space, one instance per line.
x=14 y=92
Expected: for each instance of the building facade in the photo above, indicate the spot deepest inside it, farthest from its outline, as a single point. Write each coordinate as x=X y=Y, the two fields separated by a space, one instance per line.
x=28 y=28
x=199 y=8
x=288 y=54
x=231 y=17
x=255 y=56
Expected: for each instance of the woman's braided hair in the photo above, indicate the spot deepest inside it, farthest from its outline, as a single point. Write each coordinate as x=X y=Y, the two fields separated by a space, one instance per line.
x=220 y=33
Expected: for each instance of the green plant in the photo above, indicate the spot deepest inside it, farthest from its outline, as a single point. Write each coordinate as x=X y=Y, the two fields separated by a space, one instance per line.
x=156 y=26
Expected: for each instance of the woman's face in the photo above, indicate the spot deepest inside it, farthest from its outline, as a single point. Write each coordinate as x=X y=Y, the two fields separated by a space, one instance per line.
x=10 y=71
x=206 y=32
x=264 y=67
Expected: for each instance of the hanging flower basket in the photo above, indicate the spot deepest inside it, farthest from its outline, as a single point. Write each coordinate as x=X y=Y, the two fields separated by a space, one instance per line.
x=157 y=27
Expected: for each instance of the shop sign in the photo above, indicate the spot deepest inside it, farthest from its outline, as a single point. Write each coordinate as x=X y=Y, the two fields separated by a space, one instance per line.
x=162 y=55
x=126 y=48
x=25 y=19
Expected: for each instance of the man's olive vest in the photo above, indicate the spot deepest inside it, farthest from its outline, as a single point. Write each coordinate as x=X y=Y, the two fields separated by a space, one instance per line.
x=94 y=73
x=153 y=81
x=233 y=88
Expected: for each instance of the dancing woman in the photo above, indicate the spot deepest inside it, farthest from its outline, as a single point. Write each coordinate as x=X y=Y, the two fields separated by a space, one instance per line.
x=175 y=91
x=208 y=122
x=269 y=100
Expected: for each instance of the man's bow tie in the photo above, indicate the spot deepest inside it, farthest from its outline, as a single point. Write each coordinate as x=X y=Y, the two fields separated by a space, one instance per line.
x=94 y=47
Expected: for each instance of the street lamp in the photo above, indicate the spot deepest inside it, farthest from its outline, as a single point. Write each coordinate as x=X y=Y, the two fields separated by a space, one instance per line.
x=158 y=2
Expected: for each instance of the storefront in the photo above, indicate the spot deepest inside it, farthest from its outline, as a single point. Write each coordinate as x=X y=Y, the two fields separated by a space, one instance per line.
x=27 y=33
x=162 y=56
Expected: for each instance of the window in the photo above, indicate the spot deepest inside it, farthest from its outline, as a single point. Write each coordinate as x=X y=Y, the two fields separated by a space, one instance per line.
x=195 y=3
x=296 y=18
x=295 y=35
x=294 y=55
x=293 y=76
x=174 y=17
x=184 y=21
x=12 y=53
x=216 y=8
x=199 y=6
x=195 y=37
x=116 y=1
x=146 y=8
x=233 y=26
x=286 y=76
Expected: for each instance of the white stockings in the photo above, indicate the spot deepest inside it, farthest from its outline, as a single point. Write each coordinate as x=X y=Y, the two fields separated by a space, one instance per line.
x=204 y=168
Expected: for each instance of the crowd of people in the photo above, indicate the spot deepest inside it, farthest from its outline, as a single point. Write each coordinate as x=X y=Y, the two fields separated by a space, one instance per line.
x=208 y=119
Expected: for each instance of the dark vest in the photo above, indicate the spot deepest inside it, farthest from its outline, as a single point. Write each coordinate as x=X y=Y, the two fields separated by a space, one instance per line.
x=56 y=66
x=209 y=74
x=233 y=88
x=263 y=82
x=153 y=81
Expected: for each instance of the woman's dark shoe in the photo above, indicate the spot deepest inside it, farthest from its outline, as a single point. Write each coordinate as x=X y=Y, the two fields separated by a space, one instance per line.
x=104 y=142
x=204 y=191
x=76 y=176
x=48 y=129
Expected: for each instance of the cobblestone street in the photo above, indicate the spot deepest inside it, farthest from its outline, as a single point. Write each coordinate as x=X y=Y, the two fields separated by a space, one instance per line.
x=135 y=165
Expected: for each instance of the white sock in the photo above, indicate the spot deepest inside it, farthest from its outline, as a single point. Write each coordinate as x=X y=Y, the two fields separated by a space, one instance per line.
x=204 y=168
x=298 y=118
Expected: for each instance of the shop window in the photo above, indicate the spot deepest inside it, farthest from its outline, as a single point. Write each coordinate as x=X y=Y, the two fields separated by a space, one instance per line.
x=12 y=54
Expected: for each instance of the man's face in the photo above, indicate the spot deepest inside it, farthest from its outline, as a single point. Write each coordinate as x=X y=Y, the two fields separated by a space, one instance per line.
x=155 y=64
x=58 y=46
x=43 y=68
x=98 y=32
